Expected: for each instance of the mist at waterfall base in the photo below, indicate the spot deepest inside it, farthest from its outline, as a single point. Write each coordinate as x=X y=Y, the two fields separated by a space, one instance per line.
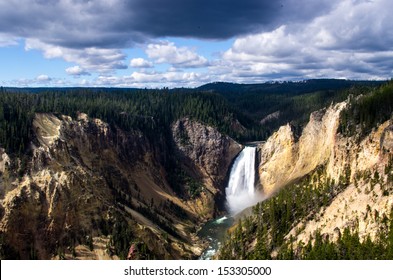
x=240 y=192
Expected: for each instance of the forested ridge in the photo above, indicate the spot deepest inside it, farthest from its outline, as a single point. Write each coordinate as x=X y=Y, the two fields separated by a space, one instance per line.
x=292 y=102
x=148 y=111
x=367 y=111
x=235 y=110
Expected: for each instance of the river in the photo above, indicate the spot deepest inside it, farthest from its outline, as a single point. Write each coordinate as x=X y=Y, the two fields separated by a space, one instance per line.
x=214 y=232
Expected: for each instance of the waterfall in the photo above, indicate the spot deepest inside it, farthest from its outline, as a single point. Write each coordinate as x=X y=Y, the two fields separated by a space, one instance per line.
x=240 y=192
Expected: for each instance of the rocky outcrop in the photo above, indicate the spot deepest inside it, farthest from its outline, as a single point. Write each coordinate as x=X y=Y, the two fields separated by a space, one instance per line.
x=270 y=117
x=387 y=139
x=4 y=160
x=205 y=155
x=205 y=152
x=283 y=160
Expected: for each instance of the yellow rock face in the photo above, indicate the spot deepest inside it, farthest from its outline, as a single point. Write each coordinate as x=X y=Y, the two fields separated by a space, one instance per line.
x=363 y=203
x=284 y=160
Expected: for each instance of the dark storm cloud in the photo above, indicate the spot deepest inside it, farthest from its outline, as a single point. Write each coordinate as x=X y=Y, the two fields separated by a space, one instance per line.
x=219 y=19
x=204 y=18
x=66 y=23
x=120 y=23
x=215 y=19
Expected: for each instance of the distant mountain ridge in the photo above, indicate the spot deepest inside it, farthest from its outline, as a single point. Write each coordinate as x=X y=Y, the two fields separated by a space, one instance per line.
x=292 y=87
x=268 y=87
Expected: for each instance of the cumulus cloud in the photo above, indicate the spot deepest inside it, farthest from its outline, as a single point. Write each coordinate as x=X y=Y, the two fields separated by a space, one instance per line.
x=43 y=78
x=140 y=63
x=77 y=71
x=171 y=77
x=40 y=80
x=152 y=79
x=91 y=59
x=351 y=41
x=167 y=52
x=7 y=40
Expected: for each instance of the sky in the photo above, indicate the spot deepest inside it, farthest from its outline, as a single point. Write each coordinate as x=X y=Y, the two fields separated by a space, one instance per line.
x=187 y=43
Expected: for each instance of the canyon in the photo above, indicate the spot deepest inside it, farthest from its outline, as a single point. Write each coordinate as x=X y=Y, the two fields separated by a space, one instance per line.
x=115 y=185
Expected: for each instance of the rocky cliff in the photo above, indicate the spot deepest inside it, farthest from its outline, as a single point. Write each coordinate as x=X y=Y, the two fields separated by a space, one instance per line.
x=205 y=154
x=89 y=190
x=367 y=200
x=361 y=169
x=283 y=160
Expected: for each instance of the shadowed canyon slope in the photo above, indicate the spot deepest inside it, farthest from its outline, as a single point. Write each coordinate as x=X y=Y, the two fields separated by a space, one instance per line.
x=86 y=179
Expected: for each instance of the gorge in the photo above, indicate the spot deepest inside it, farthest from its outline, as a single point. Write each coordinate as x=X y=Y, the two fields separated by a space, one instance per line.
x=89 y=174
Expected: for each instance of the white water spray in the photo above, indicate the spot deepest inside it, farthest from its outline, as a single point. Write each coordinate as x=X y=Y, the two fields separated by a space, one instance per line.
x=240 y=192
